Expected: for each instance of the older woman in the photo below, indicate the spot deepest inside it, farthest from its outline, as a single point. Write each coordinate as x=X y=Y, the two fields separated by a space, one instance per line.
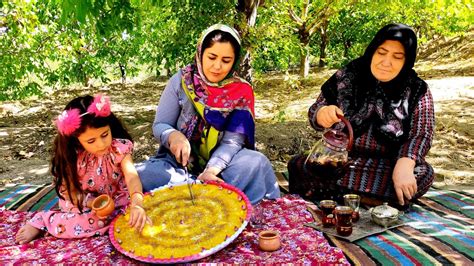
x=205 y=122
x=391 y=111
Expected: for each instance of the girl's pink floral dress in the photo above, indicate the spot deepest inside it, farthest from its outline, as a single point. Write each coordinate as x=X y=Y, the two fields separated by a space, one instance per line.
x=98 y=175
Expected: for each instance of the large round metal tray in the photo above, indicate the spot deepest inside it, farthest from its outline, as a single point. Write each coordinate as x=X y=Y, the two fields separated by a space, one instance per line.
x=181 y=231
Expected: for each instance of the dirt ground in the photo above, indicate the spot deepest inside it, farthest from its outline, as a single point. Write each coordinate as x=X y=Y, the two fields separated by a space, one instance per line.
x=26 y=129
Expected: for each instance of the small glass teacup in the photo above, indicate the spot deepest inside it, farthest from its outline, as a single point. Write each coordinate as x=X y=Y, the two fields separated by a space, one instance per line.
x=327 y=208
x=353 y=201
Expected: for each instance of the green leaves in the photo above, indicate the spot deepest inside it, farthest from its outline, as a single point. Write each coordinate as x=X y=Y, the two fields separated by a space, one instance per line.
x=50 y=43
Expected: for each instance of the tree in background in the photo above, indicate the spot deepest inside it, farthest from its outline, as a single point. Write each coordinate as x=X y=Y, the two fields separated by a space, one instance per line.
x=246 y=19
x=272 y=41
x=24 y=46
x=313 y=17
x=102 y=35
x=57 y=43
x=349 y=32
x=52 y=43
x=173 y=28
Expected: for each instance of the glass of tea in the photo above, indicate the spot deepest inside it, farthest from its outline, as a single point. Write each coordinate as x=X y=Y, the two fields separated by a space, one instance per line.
x=327 y=208
x=353 y=201
x=343 y=220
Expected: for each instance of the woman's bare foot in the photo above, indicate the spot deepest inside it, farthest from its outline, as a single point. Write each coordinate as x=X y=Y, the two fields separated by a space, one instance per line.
x=26 y=234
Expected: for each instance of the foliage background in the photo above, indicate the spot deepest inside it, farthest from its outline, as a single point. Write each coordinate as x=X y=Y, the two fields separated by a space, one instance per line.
x=47 y=44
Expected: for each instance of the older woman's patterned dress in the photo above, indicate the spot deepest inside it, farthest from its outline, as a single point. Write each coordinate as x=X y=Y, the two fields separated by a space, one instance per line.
x=370 y=167
x=98 y=175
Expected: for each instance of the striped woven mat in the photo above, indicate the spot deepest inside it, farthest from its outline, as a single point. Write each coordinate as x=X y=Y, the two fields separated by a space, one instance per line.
x=438 y=231
x=26 y=197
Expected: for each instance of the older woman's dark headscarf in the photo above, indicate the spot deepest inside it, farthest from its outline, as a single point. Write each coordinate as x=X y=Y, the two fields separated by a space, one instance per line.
x=395 y=32
x=365 y=100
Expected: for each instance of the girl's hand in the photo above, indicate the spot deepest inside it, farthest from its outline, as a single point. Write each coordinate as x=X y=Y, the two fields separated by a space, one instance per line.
x=210 y=174
x=180 y=147
x=327 y=115
x=138 y=217
x=404 y=180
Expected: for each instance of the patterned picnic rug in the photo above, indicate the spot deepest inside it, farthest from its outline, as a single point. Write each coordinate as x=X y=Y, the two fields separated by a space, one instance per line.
x=300 y=244
x=438 y=231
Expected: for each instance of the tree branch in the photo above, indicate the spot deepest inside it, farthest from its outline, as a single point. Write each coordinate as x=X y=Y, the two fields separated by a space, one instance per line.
x=306 y=6
x=323 y=14
x=314 y=28
x=294 y=17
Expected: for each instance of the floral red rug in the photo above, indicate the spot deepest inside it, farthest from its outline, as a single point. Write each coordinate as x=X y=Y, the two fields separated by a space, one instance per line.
x=287 y=215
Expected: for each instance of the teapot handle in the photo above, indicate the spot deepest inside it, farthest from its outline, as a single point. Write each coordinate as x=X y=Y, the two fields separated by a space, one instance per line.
x=349 y=130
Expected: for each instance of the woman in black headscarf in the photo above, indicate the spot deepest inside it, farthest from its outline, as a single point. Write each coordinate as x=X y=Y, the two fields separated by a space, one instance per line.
x=391 y=111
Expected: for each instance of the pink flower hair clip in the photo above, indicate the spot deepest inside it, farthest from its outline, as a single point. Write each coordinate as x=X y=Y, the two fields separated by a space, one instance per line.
x=100 y=106
x=70 y=120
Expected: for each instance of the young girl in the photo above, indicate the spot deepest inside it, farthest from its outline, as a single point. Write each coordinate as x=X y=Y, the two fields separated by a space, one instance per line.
x=91 y=156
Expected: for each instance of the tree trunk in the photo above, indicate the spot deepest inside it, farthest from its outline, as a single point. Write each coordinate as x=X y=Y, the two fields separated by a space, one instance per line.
x=304 y=37
x=86 y=81
x=80 y=74
x=304 y=60
x=323 y=44
x=123 y=73
x=347 y=46
x=245 y=69
x=249 y=9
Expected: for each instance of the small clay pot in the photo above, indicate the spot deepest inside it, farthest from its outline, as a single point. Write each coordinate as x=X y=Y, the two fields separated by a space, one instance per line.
x=103 y=206
x=269 y=240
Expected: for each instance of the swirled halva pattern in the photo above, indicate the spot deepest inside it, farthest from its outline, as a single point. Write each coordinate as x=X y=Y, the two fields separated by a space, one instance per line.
x=182 y=231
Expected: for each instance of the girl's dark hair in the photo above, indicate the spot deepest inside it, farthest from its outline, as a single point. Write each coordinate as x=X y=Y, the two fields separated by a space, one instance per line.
x=65 y=148
x=221 y=36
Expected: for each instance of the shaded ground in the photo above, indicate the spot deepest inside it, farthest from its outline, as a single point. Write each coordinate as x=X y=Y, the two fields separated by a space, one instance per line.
x=26 y=129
